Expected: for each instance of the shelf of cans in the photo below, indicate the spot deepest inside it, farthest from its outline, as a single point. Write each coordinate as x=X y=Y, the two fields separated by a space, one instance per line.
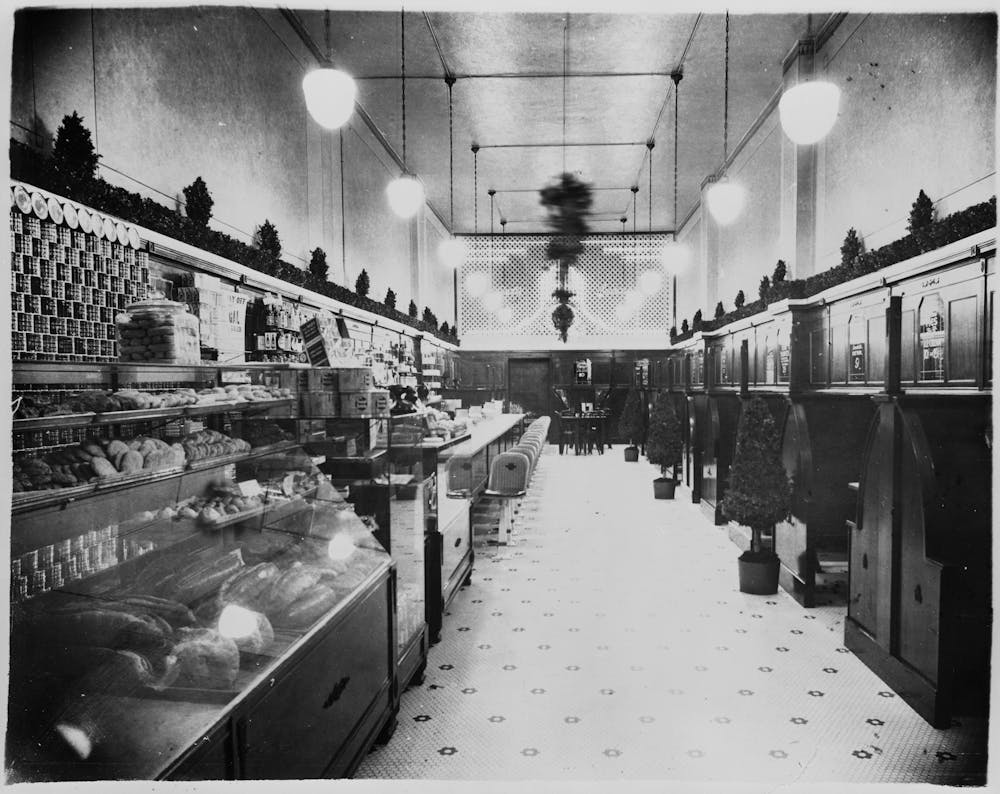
x=67 y=285
x=56 y=565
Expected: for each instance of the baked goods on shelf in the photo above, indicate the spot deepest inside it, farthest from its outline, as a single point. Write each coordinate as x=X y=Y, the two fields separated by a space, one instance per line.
x=94 y=460
x=211 y=444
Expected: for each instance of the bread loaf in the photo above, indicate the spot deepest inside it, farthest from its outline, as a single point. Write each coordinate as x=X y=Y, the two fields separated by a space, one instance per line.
x=308 y=608
x=289 y=587
x=203 y=577
x=259 y=639
x=106 y=628
x=175 y=614
x=248 y=587
x=205 y=659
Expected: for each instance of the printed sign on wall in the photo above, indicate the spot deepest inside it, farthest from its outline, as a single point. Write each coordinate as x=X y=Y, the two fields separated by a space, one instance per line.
x=857 y=371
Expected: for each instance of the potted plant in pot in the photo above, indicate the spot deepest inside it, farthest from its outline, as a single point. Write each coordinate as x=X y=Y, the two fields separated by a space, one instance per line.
x=664 y=445
x=630 y=425
x=759 y=494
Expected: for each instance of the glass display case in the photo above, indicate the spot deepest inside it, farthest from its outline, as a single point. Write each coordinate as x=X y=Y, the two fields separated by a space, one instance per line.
x=379 y=463
x=188 y=606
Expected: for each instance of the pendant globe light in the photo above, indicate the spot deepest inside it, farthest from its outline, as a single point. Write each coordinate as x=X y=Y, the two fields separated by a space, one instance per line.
x=725 y=199
x=809 y=110
x=329 y=92
x=452 y=250
x=676 y=255
x=406 y=192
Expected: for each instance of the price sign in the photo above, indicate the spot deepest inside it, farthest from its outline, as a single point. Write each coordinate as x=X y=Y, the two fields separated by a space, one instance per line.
x=250 y=488
x=857 y=361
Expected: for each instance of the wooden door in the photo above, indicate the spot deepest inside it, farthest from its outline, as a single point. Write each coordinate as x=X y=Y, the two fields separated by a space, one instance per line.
x=529 y=385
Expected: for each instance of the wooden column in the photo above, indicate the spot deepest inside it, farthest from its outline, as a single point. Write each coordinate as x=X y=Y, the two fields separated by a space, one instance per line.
x=893 y=346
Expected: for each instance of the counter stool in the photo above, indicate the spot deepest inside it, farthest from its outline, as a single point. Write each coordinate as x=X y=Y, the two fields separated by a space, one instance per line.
x=508 y=484
x=459 y=471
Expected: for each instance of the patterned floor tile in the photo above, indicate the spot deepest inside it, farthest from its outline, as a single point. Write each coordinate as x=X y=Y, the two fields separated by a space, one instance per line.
x=612 y=643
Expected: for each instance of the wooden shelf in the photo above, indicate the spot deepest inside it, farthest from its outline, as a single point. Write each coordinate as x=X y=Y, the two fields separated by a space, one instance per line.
x=57 y=421
x=28 y=500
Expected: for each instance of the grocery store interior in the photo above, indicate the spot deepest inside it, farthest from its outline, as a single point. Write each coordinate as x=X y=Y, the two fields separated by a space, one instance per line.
x=596 y=396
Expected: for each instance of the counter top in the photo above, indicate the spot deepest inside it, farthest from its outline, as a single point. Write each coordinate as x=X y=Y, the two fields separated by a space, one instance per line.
x=483 y=433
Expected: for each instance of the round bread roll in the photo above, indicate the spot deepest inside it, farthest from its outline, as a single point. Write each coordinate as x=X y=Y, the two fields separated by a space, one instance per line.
x=205 y=659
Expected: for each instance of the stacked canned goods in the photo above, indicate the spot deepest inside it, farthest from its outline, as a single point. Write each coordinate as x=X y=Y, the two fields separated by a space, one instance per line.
x=56 y=565
x=65 y=266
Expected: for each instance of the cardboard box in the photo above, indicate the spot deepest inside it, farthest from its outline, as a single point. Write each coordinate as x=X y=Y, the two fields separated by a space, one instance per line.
x=374 y=402
x=356 y=379
x=322 y=379
x=321 y=404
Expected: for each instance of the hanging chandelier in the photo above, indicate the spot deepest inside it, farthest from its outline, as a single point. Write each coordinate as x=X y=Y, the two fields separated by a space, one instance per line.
x=329 y=92
x=406 y=192
x=725 y=199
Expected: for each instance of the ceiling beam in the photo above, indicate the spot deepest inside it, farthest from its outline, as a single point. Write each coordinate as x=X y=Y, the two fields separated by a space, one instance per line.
x=512 y=75
x=557 y=145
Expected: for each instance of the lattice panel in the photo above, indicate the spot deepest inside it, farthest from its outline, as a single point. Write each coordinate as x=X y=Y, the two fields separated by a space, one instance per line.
x=621 y=287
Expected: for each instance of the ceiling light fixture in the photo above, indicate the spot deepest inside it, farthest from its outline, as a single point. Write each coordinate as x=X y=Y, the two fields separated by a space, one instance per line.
x=725 y=199
x=452 y=249
x=676 y=255
x=406 y=192
x=329 y=92
x=493 y=300
x=809 y=110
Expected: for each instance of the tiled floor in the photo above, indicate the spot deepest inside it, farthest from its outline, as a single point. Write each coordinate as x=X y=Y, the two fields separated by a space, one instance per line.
x=612 y=643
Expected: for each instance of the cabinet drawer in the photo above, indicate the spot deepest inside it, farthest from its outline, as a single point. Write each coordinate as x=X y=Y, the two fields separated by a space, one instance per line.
x=299 y=727
x=211 y=761
x=455 y=545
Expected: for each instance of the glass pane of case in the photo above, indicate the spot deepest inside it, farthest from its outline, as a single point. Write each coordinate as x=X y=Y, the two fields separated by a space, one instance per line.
x=141 y=612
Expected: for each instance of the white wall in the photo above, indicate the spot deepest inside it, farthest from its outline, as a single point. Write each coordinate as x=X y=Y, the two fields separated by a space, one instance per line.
x=216 y=92
x=917 y=112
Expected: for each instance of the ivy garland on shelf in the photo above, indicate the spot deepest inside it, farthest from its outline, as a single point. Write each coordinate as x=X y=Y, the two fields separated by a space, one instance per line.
x=73 y=175
x=856 y=262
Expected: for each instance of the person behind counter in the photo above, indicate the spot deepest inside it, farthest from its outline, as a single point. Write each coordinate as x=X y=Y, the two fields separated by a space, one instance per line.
x=404 y=400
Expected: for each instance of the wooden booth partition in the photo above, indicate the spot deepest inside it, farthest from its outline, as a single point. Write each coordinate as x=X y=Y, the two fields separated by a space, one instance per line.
x=919 y=611
x=824 y=435
x=722 y=417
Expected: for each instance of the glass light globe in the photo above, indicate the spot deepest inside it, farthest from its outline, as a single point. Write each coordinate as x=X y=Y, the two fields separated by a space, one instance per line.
x=236 y=622
x=676 y=257
x=477 y=283
x=633 y=299
x=452 y=252
x=493 y=301
x=650 y=282
x=725 y=201
x=406 y=194
x=809 y=110
x=340 y=547
x=330 y=95
x=505 y=315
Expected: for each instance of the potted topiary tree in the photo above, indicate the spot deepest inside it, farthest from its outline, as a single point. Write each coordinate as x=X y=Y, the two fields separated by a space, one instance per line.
x=758 y=495
x=664 y=445
x=630 y=424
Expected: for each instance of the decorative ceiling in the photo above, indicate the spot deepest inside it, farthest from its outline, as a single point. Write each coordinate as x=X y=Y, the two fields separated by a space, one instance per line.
x=545 y=92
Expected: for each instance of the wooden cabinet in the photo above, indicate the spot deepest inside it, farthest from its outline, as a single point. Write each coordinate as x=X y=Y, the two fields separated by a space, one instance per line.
x=309 y=710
